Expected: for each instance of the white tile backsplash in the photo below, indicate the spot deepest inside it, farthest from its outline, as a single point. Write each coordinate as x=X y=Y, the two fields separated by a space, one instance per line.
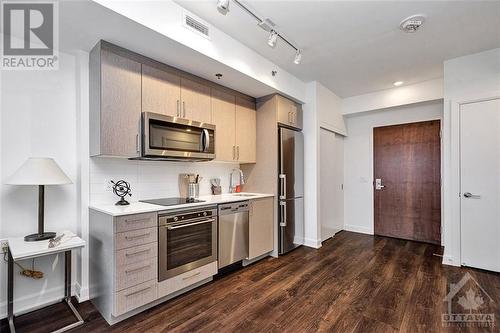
x=151 y=179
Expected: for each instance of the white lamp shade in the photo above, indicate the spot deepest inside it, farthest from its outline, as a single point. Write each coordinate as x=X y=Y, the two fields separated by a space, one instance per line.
x=39 y=171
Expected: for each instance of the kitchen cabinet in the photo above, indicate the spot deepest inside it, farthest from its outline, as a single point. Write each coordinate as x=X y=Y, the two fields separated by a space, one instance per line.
x=261 y=227
x=235 y=121
x=246 y=131
x=289 y=112
x=196 y=101
x=161 y=91
x=223 y=117
x=115 y=103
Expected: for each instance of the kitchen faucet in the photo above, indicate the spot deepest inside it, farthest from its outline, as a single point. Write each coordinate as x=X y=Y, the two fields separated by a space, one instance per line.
x=232 y=187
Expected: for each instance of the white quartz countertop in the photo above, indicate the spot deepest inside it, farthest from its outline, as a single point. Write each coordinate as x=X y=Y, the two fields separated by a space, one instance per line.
x=141 y=207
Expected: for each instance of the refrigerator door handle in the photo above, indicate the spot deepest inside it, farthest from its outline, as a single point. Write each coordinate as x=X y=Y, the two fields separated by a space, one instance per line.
x=283 y=213
x=282 y=177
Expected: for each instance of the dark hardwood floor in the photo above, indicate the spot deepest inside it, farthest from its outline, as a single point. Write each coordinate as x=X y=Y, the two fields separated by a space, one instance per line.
x=354 y=283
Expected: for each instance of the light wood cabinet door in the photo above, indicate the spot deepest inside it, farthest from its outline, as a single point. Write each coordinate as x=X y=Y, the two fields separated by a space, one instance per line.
x=289 y=112
x=161 y=91
x=195 y=101
x=223 y=117
x=120 y=105
x=246 y=131
x=261 y=227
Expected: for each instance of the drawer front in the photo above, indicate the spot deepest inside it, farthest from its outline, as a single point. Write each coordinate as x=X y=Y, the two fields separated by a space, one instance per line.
x=136 y=273
x=131 y=238
x=184 y=280
x=136 y=254
x=134 y=222
x=131 y=298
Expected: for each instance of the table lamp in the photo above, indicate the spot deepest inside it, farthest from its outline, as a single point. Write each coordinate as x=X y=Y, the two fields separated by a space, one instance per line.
x=39 y=171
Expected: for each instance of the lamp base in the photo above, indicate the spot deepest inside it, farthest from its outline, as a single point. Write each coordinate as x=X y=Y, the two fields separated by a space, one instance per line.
x=39 y=237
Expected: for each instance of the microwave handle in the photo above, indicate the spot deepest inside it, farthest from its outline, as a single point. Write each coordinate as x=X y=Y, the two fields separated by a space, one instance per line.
x=206 y=140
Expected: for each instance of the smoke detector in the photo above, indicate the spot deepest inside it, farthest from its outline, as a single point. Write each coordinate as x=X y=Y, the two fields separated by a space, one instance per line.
x=412 y=24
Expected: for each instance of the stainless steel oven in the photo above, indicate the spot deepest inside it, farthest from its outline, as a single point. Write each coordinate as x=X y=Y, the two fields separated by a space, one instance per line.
x=171 y=138
x=187 y=239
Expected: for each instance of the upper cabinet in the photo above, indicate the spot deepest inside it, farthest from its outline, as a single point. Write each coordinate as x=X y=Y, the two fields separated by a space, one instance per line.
x=161 y=91
x=223 y=117
x=115 y=103
x=289 y=112
x=195 y=101
x=235 y=121
x=123 y=84
x=246 y=131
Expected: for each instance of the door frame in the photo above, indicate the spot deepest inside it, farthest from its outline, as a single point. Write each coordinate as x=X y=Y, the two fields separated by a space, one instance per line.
x=451 y=197
x=441 y=147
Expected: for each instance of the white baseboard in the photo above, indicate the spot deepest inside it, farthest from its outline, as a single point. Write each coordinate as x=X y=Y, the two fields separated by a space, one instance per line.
x=81 y=294
x=33 y=302
x=449 y=260
x=358 y=229
x=314 y=243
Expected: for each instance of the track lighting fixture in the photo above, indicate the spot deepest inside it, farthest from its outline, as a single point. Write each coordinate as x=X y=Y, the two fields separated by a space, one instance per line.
x=273 y=37
x=223 y=6
x=298 y=57
x=264 y=23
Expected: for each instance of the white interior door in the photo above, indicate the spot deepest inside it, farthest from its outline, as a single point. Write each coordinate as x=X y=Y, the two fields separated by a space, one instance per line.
x=480 y=184
x=331 y=183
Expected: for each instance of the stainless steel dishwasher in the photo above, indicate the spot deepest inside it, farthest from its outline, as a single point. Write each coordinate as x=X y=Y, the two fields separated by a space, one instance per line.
x=233 y=233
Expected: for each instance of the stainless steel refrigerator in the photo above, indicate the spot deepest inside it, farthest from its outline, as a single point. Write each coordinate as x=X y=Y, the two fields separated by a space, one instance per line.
x=291 y=189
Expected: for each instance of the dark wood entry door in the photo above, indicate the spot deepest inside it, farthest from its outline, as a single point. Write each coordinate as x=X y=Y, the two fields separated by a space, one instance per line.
x=407 y=161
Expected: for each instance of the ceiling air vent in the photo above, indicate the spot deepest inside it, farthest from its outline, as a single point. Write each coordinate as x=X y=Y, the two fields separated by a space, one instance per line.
x=196 y=25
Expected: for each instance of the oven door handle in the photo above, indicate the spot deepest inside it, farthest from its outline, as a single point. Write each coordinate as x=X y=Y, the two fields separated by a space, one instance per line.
x=173 y=227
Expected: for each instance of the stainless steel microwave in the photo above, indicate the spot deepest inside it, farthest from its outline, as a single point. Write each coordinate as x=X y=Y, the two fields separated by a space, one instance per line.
x=171 y=138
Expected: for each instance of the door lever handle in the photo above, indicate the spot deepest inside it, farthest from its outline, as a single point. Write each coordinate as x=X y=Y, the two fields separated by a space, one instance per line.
x=471 y=196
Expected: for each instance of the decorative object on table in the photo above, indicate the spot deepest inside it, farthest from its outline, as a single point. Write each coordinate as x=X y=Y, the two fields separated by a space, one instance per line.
x=61 y=239
x=121 y=188
x=39 y=171
x=216 y=188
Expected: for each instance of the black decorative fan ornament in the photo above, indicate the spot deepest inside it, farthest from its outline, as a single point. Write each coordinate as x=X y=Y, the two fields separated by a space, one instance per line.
x=121 y=188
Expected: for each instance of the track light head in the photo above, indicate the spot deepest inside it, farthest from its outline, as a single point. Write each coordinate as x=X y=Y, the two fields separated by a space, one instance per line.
x=223 y=6
x=298 y=57
x=273 y=37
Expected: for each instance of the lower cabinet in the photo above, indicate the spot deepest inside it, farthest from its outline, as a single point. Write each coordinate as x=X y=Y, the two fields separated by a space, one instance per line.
x=261 y=227
x=187 y=279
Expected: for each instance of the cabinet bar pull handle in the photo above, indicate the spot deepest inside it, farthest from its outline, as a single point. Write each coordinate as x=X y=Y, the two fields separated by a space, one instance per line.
x=234 y=152
x=178 y=108
x=138 y=292
x=184 y=109
x=238 y=152
x=136 y=269
x=192 y=276
x=137 y=236
x=137 y=221
x=136 y=253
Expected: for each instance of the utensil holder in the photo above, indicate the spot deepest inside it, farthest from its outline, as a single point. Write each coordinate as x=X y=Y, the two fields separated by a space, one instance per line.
x=193 y=190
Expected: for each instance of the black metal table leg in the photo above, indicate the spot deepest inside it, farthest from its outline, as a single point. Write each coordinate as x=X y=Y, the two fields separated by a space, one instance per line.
x=10 y=292
x=67 y=293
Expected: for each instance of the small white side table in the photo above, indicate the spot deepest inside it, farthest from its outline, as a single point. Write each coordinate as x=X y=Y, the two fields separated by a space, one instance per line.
x=21 y=250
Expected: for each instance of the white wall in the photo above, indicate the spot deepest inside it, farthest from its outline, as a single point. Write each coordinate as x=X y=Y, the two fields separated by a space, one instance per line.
x=466 y=78
x=322 y=108
x=358 y=157
x=39 y=117
x=404 y=95
x=151 y=179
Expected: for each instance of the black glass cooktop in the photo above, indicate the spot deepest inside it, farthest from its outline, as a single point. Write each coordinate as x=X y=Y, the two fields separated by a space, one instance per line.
x=171 y=201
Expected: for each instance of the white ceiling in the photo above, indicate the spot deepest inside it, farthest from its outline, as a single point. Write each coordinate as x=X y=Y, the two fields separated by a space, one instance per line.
x=356 y=47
